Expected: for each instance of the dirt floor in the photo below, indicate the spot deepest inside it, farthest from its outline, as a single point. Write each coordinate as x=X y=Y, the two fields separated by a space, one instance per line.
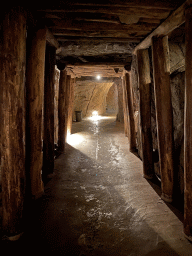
x=98 y=202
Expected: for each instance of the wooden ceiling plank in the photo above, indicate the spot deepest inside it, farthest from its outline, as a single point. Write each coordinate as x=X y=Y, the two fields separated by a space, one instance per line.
x=100 y=26
x=176 y=19
x=112 y=10
x=100 y=39
x=51 y=39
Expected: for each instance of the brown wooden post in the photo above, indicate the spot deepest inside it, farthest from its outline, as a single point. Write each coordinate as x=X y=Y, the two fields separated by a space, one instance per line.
x=131 y=123
x=145 y=112
x=67 y=103
x=49 y=93
x=161 y=72
x=188 y=128
x=70 y=108
x=12 y=81
x=61 y=111
x=125 y=108
x=36 y=39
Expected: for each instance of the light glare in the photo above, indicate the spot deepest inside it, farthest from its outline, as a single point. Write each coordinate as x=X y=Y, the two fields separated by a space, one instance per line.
x=98 y=77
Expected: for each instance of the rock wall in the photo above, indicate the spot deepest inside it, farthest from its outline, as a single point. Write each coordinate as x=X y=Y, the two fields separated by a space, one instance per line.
x=91 y=96
x=112 y=100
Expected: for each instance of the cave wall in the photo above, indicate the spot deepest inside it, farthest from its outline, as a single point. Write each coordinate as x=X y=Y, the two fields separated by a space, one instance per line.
x=91 y=96
x=112 y=100
x=177 y=80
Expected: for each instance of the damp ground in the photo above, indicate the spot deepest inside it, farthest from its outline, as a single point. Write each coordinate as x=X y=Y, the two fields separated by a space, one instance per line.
x=98 y=203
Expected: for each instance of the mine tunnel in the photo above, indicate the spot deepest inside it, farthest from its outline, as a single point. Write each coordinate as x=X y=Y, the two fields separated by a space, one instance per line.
x=96 y=128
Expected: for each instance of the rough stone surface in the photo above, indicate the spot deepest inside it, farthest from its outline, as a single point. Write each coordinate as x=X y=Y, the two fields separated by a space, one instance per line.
x=177 y=90
x=112 y=100
x=91 y=96
x=98 y=203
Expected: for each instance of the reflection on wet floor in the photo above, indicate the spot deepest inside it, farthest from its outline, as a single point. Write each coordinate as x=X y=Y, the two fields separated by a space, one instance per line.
x=98 y=202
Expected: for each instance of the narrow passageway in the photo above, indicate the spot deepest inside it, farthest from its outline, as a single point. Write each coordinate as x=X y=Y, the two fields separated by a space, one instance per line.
x=98 y=202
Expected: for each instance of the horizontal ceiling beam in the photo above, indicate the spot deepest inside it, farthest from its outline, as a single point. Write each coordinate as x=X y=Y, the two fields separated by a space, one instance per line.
x=51 y=39
x=155 y=13
x=176 y=19
x=101 y=26
x=169 y=4
x=99 y=39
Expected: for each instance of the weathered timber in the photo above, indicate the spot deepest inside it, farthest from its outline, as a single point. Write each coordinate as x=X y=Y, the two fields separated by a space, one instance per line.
x=36 y=41
x=131 y=123
x=164 y=114
x=51 y=39
x=70 y=107
x=12 y=80
x=62 y=111
x=188 y=128
x=112 y=10
x=94 y=70
x=67 y=107
x=176 y=19
x=125 y=108
x=101 y=26
x=60 y=34
x=48 y=141
x=145 y=112
x=99 y=39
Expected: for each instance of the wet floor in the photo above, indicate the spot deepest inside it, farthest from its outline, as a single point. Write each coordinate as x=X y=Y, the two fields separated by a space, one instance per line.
x=98 y=203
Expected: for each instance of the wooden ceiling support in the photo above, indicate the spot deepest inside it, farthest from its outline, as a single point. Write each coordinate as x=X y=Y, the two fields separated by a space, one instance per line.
x=164 y=113
x=176 y=19
x=145 y=110
x=51 y=39
x=188 y=129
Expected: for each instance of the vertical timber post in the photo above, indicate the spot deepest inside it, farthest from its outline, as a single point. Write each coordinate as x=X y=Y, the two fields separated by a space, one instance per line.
x=132 y=136
x=70 y=108
x=67 y=102
x=125 y=108
x=145 y=112
x=48 y=142
x=13 y=62
x=61 y=111
x=34 y=104
x=161 y=72
x=188 y=128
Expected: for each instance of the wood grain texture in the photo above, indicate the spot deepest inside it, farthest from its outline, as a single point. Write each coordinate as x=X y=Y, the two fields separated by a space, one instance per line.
x=12 y=80
x=61 y=111
x=145 y=112
x=164 y=113
x=188 y=127
x=34 y=99
x=49 y=93
x=125 y=108
x=131 y=122
x=176 y=19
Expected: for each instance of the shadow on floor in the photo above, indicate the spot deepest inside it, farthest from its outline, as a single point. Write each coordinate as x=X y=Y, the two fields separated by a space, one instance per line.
x=83 y=214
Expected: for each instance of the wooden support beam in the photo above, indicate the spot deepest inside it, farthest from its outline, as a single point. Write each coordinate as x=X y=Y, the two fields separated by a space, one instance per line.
x=62 y=110
x=188 y=128
x=145 y=112
x=67 y=106
x=99 y=39
x=176 y=19
x=36 y=38
x=51 y=39
x=48 y=141
x=12 y=80
x=70 y=108
x=164 y=113
x=131 y=123
x=125 y=108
